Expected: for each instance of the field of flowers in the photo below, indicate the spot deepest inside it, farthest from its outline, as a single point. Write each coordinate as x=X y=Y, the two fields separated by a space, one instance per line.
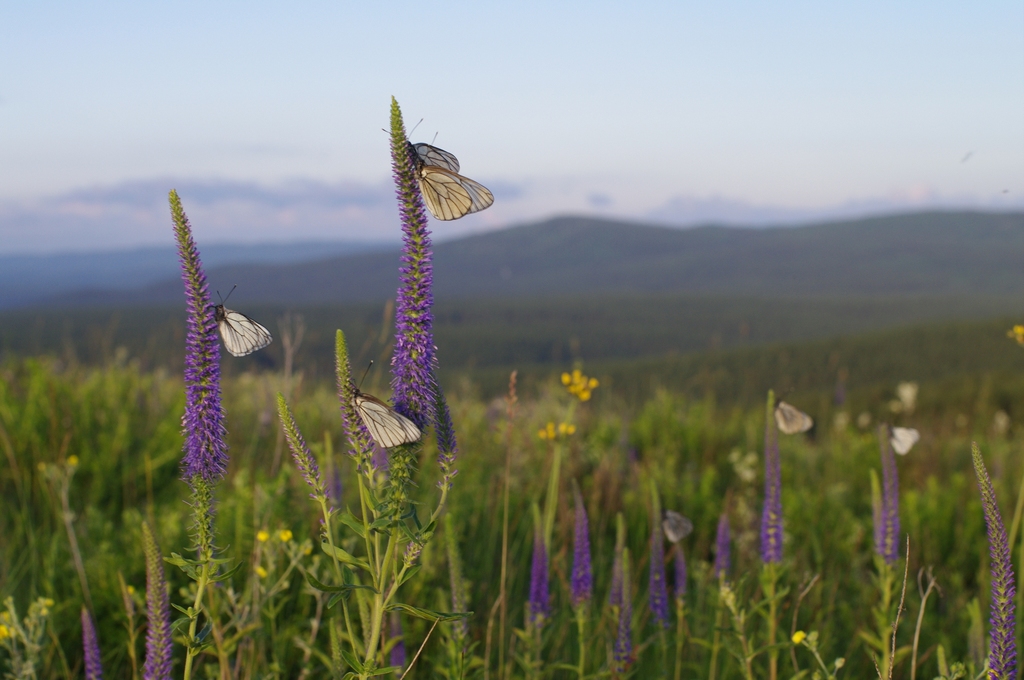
x=517 y=539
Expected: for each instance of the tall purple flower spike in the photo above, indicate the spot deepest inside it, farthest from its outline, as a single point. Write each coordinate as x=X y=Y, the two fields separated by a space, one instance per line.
x=206 y=454
x=1002 y=658
x=658 y=588
x=771 y=515
x=888 y=538
x=582 y=585
x=722 y=545
x=539 y=579
x=412 y=364
x=91 y=648
x=447 y=447
x=680 y=564
x=305 y=461
x=158 y=611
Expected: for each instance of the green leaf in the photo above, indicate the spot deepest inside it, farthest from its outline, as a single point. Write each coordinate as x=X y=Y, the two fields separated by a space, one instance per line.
x=342 y=556
x=386 y=671
x=227 y=574
x=353 y=662
x=349 y=520
x=183 y=610
x=409 y=574
x=345 y=587
x=427 y=614
x=381 y=524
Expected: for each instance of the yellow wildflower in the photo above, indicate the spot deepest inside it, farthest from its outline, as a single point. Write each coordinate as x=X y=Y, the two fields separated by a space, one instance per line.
x=5 y=632
x=262 y=536
x=579 y=385
x=1017 y=333
x=73 y=461
x=547 y=432
x=285 y=535
x=798 y=637
x=131 y=590
x=261 y=572
x=307 y=550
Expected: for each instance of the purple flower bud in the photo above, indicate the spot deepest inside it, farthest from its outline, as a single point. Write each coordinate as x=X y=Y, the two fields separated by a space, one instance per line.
x=539 y=580
x=582 y=586
x=91 y=647
x=158 y=611
x=623 y=648
x=887 y=539
x=1002 y=659
x=771 y=516
x=304 y=459
x=680 y=564
x=657 y=588
x=447 y=447
x=722 y=547
x=412 y=364
x=398 y=651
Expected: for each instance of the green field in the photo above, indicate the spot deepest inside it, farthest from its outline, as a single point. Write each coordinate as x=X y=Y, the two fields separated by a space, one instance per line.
x=684 y=422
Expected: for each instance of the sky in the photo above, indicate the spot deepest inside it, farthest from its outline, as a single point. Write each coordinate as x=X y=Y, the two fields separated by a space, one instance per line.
x=267 y=116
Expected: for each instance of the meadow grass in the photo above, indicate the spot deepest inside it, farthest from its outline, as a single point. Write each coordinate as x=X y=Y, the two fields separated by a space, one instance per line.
x=111 y=437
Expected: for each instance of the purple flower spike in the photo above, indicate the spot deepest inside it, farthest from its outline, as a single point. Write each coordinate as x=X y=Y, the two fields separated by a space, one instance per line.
x=658 y=588
x=582 y=586
x=771 y=516
x=206 y=454
x=1002 y=660
x=447 y=447
x=91 y=647
x=680 y=563
x=722 y=547
x=887 y=538
x=539 y=580
x=158 y=611
x=412 y=363
x=398 y=651
x=623 y=649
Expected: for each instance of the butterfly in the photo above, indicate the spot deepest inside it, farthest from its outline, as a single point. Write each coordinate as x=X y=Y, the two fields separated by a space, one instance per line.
x=675 y=526
x=448 y=194
x=241 y=335
x=388 y=427
x=791 y=420
x=903 y=439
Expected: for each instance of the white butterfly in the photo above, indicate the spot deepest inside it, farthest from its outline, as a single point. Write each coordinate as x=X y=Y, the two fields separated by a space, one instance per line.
x=241 y=335
x=792 y=420
x=448 y=194
x=675 y=526
x=903 y=439
x=388 y=427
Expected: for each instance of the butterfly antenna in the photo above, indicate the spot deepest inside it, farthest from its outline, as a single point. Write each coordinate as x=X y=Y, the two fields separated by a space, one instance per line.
x=364 y=374
x=229 y=293
x=415 y=126
x=434 y=139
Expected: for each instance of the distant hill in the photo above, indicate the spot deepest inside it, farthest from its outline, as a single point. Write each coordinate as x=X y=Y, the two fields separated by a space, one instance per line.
x=961 y=254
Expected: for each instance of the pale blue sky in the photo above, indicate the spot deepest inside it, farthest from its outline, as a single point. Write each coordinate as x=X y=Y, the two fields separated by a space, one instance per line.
x=672 y=111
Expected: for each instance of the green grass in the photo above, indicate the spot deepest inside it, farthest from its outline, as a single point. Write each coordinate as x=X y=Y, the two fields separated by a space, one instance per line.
x=123 y=424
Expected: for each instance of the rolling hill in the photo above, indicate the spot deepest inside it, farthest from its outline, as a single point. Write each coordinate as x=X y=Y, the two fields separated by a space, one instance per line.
x=965 y=254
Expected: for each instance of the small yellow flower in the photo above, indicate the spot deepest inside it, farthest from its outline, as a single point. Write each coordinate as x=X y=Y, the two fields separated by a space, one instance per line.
x=548 y=432
x=261 y=572
x=5 y=632
x=566 y=378
x=73 y=461
x=798 y=637
x=570 y=429
x=284 y=535
x=579 y=385
x=307 y=550
x=131 y=590
x=1017 y=333
x=262 y=535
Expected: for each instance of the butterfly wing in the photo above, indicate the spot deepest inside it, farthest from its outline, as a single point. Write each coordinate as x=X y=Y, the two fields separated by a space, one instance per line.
x=241 y=335
x=449 y=195
x=903 y=439
x=792 y=420
x=431 y=155
x=388 y=427
x=676 y=526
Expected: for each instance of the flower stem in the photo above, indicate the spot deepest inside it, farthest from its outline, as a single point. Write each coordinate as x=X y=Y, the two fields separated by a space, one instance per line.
x=204 y=578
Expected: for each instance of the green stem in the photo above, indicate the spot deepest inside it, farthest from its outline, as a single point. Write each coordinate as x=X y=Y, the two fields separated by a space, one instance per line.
x=680 y=635
x=204 y=577
x=773 y=620
x=580 y=624
x=716 y=641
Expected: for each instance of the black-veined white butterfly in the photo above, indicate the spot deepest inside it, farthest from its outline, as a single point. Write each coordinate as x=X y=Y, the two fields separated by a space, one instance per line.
x=241 y=335
x=676 y=526
x=448 y=194
x=792 y=420
x=388 y=427
x=903 y=439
